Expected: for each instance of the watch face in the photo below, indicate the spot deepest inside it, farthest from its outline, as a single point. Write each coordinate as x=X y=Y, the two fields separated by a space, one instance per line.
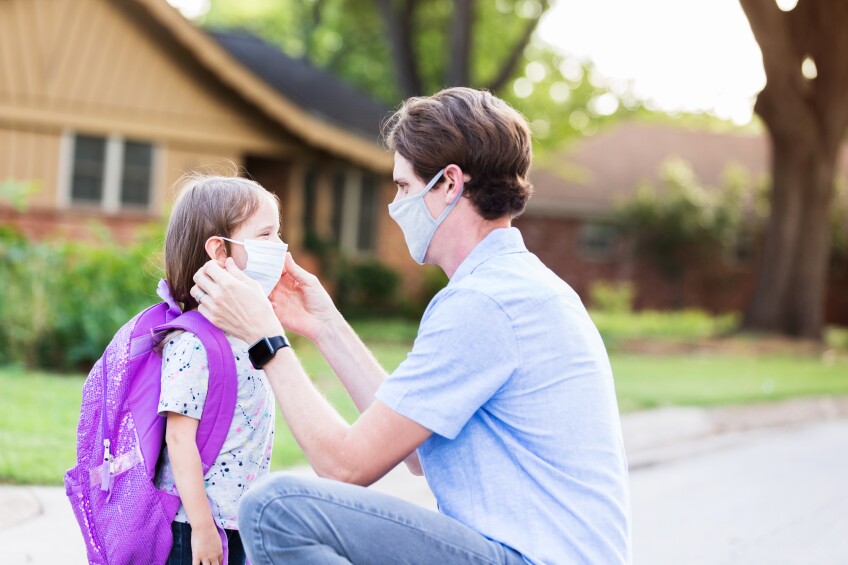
x=260 y=353
x=264 y=350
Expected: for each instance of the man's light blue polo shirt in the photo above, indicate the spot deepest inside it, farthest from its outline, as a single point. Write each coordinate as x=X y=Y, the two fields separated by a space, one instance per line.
x=512 y=377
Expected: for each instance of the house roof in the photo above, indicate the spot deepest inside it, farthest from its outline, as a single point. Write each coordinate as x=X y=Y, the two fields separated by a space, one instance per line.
x=321 y=93
x=591 y=175
x=312 y=123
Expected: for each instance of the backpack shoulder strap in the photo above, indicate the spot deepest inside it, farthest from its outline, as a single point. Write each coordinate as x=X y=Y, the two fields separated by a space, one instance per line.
x=222 y=391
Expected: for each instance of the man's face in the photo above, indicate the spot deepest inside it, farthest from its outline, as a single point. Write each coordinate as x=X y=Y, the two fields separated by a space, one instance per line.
x=408 y=184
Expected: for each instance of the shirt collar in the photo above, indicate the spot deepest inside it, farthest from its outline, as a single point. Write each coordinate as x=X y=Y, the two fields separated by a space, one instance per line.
x=501 y=241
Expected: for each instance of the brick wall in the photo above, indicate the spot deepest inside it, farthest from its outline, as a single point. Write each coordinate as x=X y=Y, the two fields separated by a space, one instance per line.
x=715 y=286
x=41 y=224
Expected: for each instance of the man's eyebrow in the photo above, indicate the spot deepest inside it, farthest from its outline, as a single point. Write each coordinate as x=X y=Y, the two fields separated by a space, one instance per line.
x=400 y=181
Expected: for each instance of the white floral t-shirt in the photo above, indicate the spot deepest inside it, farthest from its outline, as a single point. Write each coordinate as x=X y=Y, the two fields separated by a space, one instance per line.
x=246 y=453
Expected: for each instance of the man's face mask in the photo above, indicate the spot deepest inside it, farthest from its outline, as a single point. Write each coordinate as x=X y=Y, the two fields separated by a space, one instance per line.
x=415 y=221
x=265 y=261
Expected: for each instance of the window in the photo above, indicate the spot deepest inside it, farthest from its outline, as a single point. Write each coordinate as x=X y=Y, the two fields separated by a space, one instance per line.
x=597 y=241
x=89 y=165
x=135 y=181
x=355 y=195
x=111 y=173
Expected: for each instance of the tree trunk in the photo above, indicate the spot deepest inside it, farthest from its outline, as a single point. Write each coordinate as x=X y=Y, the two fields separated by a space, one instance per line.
x=790 y=290
x=459 y=59
x=807 y=119
x=400 y=31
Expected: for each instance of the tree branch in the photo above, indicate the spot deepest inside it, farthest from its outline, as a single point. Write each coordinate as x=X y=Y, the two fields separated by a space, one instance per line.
x=786 y=89
x=509 y=66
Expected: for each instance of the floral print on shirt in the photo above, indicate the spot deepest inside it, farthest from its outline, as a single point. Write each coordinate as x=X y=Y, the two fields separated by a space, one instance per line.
x=246 y=453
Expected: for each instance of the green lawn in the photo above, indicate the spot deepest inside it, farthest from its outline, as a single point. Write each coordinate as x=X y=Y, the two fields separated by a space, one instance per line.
x=38 y=412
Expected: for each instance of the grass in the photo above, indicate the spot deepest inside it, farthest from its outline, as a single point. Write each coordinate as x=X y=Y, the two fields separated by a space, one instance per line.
x=39 y=411
x=648 y=382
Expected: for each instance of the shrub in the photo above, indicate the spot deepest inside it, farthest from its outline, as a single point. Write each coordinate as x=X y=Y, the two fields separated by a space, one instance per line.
x=611 y=297
x=366 y=288
x=63 y=302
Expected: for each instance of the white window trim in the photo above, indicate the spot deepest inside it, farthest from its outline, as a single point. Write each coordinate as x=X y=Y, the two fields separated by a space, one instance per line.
x=66 y=165
x=112 y=175
x=111 y=200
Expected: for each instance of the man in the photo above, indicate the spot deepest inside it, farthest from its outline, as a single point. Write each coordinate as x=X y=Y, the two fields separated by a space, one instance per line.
x=506 y=400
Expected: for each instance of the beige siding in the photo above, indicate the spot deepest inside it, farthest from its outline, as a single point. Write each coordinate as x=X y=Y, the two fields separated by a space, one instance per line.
x=180 y=161
x=34 y=156
x=85 y=64
x=31 y=156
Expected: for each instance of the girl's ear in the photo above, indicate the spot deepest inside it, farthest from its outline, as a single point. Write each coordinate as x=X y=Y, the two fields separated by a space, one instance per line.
x=216 y=248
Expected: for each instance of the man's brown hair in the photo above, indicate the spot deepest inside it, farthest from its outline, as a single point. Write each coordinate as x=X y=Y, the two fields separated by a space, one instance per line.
x=487 y=138
x=206 y=206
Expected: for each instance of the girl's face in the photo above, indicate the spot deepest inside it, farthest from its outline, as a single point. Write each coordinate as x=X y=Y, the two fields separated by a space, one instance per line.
x=264 y=224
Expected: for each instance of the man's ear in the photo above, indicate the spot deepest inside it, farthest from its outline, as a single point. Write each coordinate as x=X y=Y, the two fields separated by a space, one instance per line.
x=455 y=181
x=216 y=248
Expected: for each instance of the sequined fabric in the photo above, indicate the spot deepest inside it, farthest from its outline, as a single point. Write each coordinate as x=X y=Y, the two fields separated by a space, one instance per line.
x=130 y=523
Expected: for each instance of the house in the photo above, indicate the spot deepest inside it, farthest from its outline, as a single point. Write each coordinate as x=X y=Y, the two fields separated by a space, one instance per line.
x=566 y=221
x=104 y=105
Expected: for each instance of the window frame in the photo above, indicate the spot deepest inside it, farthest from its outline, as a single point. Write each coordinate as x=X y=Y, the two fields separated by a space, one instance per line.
x=586 y=235
x=113 y=167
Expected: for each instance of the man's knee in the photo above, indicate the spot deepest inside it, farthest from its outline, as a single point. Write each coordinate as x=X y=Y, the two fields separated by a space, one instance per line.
x=281 y=498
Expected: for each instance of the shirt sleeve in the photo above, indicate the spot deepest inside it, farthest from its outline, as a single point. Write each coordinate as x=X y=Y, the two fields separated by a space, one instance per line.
x=185 y=376
x=465 y=351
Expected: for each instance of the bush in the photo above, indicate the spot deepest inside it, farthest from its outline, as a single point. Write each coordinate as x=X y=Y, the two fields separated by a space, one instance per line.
x=366 y=288
x=63 y=302
x=616 y=327
x=611 y=297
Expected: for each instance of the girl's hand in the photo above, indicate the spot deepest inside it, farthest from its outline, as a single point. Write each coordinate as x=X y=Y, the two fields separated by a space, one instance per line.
x=206 y=546
x=301 y=303
x=234 y=302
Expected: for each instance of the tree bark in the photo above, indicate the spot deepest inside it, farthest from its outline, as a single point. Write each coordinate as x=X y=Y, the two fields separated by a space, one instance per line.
x=400 y=31
x=806 y=121
x=459 y=59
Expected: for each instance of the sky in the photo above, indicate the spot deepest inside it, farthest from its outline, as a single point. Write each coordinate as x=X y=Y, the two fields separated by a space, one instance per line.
x=682 y=55
x=677 y=55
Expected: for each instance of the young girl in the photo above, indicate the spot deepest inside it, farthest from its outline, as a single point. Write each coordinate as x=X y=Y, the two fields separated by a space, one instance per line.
x=214 y=217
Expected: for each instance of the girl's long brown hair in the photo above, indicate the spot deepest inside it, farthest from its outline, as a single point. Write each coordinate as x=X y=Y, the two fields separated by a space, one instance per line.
x=206 y=206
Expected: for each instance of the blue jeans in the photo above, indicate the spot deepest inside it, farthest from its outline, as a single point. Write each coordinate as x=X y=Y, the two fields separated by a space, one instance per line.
x=287 y=519
x=181 y=551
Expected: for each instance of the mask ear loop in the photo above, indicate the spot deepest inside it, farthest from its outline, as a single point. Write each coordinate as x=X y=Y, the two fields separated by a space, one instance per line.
x=227 y=242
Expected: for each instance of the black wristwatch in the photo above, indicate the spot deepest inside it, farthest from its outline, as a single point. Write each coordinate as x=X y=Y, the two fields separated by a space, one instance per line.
x=264 y=350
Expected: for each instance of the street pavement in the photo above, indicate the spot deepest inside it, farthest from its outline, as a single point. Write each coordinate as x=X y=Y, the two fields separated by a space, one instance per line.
x=770 y=497
x=761 y=484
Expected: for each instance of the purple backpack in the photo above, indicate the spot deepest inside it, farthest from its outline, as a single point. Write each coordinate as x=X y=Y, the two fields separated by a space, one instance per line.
x=123 y=517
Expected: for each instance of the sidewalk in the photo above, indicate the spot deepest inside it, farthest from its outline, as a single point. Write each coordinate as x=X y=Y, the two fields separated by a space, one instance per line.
x=37 y=525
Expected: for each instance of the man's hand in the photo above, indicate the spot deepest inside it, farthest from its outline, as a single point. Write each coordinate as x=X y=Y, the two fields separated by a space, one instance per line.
x=234 y=302
x=301 y=303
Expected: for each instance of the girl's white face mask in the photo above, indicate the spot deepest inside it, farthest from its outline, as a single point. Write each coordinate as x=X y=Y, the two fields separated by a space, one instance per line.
x=265 y=261
x=415 y=221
